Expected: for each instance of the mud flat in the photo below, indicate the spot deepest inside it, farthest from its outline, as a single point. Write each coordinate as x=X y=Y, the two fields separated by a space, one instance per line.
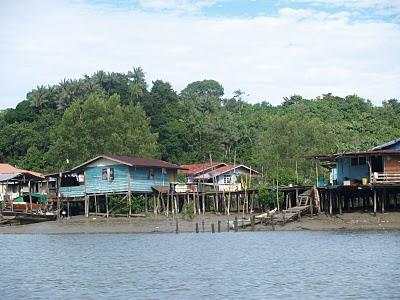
x=360 y=221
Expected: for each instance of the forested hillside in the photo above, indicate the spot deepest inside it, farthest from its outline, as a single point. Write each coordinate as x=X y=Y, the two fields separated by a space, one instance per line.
x=59 y=126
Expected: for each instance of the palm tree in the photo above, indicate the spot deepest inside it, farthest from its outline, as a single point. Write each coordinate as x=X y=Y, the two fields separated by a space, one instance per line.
x=138 y=85
x=39 y=97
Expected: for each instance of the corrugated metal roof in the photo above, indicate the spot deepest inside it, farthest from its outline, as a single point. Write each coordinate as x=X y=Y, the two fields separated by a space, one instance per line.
x=228 y=168
x=201 y=167
x=8 y=169
x=8 y=176
x=334 y=156
x=133 y=161
x=146 y=162
x=386 y=145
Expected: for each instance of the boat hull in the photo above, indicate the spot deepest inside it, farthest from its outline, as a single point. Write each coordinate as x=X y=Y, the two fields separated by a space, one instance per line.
x=24 y=218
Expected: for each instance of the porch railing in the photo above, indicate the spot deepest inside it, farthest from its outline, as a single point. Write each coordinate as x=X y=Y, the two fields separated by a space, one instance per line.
x=385 y=178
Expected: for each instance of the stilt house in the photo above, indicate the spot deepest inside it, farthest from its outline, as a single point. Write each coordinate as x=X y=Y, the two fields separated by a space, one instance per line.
x=105 y=175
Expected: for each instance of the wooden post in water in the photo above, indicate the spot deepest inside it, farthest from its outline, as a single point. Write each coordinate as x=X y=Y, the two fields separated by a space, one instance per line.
x=253 y=221
x=219 y=226
x=202 y=224
x=340 y=203
x=197 y=227
x=330 y=203
x=212 y=228
x=383 y=200
x=235 y=224
x=375 y=202
x=272 y=222
x=177 y=226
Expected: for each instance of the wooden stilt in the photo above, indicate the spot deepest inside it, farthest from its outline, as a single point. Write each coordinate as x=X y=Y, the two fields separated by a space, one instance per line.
x=154 y=204
x=129 y=200
x=107 y=212
x=194 y=203
x=374 y=202
x=168 y=204
x=30 y=194
x=330 y=203
x=95 y=205
x=383 y=200
x=146 y=205
x=238 y=203
x=203 y=202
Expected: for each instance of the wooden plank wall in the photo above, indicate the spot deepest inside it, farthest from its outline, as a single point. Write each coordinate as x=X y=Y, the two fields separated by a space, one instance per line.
x=392 y=164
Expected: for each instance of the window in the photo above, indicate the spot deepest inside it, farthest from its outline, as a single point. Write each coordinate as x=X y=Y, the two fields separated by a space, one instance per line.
x=358 y=161
x=362 y=161
x=227 y=178
x=151 y=174
x=107 y=174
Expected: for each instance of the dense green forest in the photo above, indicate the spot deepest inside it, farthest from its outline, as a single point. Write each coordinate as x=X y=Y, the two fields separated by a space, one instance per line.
x=60 y=126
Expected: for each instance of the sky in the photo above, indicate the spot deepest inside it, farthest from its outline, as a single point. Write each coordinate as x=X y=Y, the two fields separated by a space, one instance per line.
x=268 y=49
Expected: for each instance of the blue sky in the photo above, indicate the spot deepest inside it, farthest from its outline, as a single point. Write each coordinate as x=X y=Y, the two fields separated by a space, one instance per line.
x=269 y=49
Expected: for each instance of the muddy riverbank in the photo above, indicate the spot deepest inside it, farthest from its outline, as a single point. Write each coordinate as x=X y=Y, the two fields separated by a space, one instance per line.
x=163 y=224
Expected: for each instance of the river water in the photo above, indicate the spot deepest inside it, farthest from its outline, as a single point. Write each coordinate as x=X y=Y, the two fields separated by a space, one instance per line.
x=259 y=265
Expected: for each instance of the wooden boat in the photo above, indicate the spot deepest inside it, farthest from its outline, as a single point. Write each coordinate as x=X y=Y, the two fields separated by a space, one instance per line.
x=25 y=218
x=241 y=223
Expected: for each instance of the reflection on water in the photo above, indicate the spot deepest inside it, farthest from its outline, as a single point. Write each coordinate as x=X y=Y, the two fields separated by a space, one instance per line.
x=260 y=265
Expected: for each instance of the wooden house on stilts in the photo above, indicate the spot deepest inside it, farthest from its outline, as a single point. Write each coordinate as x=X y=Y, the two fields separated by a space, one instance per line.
x=365 y=179
x=87 y=187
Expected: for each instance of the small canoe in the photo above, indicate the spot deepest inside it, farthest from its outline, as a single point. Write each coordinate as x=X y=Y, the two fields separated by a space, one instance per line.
x=24 y=217
x=241 y=223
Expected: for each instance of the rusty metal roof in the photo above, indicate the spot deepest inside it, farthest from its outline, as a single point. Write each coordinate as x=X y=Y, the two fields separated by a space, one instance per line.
x=334 y=156
x=201 y=167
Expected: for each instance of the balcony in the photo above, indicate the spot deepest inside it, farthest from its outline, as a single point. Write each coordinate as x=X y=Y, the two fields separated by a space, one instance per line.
x=385 y=178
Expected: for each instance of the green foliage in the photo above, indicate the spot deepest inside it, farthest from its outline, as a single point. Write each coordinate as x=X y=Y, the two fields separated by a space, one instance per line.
x=265 y=196
x=116 y=113
x=100 y=125
x=120 y=205
x=181 y=178
x=137 y=204
x=187 y=211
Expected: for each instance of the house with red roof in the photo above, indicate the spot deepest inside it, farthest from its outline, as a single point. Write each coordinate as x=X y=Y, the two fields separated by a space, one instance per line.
x=222 y=176
x=14 y=181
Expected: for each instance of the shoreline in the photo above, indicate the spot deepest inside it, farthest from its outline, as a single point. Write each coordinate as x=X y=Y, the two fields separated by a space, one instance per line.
x=354 y=221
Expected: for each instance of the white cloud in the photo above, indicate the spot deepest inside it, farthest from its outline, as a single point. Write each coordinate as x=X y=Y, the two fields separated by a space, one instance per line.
x=297 y=51
x=392 y=5
x=177 y=5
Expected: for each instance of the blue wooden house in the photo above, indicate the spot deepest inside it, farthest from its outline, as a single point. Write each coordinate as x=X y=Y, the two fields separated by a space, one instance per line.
x=105 y=175
x=379 y=165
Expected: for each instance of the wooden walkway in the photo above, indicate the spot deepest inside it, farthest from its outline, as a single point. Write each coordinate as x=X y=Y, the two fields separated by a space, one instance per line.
x=284 y=216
